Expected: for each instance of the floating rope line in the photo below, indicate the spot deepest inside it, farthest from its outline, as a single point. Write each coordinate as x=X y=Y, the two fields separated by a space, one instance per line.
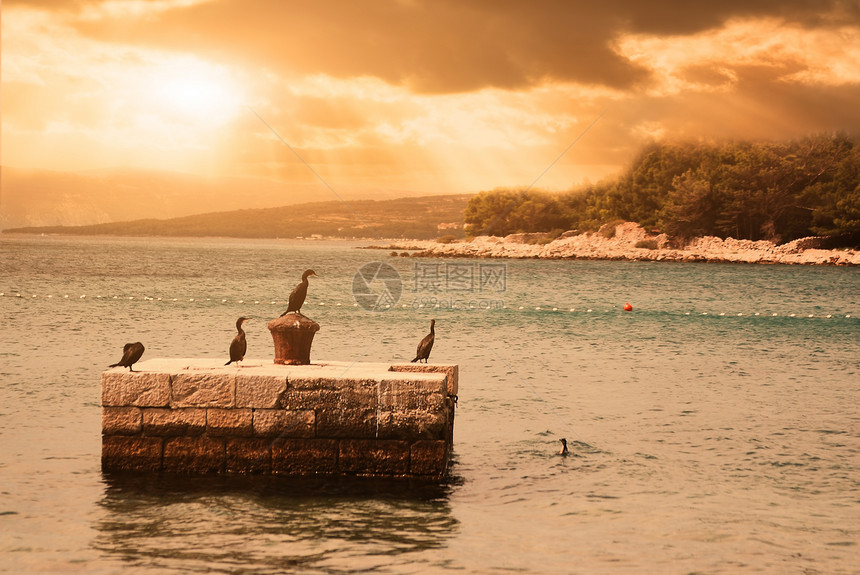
x=437 y=305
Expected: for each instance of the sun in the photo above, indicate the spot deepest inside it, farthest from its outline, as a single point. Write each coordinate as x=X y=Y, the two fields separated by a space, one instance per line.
x=196 y=92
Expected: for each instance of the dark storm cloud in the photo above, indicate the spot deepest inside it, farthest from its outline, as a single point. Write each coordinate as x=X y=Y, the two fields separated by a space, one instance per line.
x=431 y=47
x=448 y=45
x=670 y=17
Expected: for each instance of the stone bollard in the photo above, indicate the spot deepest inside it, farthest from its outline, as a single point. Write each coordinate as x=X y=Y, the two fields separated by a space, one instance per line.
x=293 y=334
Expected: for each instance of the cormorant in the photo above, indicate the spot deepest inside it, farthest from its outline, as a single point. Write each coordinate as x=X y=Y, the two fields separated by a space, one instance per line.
x=298 y=295
x=238 y=346
x=426 y=344
x=131 y=352
x=564 y=450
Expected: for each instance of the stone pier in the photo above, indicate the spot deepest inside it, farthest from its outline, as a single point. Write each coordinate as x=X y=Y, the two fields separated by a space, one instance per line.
x=328 y=418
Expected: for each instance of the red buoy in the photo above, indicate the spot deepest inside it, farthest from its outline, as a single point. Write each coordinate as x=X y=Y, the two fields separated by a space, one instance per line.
x=628 y=307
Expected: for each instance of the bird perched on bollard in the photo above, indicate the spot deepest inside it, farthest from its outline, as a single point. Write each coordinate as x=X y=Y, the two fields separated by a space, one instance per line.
x=131 y=352
x=298 y=295
x=238 y=346
x=426 y=344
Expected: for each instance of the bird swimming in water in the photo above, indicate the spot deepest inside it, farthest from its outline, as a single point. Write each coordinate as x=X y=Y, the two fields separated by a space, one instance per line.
x=238 y=346
x=298 y=295
x=426 y=344
x=564 y=450
x=131 y=352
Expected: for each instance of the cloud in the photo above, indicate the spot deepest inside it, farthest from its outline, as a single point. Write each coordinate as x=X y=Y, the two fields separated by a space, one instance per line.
x=441 y=46
x=680 y=18
x=438 y=47
x=444 y=96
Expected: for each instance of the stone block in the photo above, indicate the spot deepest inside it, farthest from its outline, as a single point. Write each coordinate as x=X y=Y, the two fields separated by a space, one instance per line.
x=360 y=394
x=121 y=420
x=412 y=425
x=230 y=422
x=171 y=422
x=350 y=422
x=329 y=381
x=305 y=456
x=248 y=455
x=140 y=389
x=122 y=453
x=203 y=390
x=428 y=458
x=352 y=394
x=308 y=381
x=420 y=383
x=302 y=399
x=259 y=391
x=373 y=457
x=405 y=399
x=284 y=423
x=452 y=373
x=196 y=455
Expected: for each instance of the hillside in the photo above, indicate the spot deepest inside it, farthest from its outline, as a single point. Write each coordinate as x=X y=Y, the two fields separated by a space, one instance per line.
x=53 y=198
x=423 y=217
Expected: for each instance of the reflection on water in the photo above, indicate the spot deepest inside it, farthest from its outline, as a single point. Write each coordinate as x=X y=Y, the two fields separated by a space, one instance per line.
x=270 y=524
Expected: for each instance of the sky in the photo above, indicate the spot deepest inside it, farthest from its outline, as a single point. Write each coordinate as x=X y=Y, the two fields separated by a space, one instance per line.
x=441 y=96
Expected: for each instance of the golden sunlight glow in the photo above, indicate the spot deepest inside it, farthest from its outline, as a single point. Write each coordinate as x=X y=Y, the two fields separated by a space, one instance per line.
x=195 y=91
x=107 y=106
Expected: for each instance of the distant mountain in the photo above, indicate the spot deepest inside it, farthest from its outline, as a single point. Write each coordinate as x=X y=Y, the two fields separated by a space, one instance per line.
x=47 y=198
x=424 y=217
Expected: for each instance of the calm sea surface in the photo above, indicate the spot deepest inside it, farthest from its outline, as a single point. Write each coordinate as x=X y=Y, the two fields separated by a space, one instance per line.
x=714 y=429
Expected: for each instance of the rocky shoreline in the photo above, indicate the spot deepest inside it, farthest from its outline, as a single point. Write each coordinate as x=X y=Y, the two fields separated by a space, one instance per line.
x=629 y=241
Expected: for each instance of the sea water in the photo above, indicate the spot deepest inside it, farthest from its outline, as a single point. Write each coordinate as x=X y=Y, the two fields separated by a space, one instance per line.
x=713 y=429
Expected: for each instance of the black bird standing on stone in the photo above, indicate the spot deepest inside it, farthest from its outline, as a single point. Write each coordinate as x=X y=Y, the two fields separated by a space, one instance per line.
x=298 y=295
x=131 y=352
x=238 y=346
x=426 y=344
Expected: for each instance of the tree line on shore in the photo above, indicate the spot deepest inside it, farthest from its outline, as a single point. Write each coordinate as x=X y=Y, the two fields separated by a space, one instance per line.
x=770 y=190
